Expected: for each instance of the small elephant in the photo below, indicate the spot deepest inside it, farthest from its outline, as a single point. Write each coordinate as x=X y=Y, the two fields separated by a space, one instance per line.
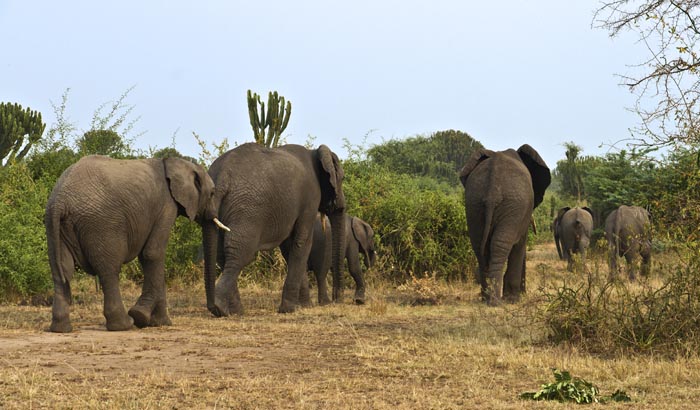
x=270 y=197
x=359 y=237
x=628 y=231
x=104 y=212
x=573 y=228
x=501 y=189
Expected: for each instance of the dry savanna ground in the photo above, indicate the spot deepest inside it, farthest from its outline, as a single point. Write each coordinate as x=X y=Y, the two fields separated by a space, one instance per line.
x=389 y=353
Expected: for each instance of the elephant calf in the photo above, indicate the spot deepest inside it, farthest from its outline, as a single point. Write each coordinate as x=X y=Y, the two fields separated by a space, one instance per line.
x=628 y=231
x=359 y=238
x=105 y=212
x=573 y=228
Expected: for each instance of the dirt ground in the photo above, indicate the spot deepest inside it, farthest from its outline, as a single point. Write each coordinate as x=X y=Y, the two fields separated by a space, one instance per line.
x=385 y=354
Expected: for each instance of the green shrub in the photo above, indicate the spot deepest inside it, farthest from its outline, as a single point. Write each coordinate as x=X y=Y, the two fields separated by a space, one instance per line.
x=24 y=267
x=613 y=316
x=419 y=222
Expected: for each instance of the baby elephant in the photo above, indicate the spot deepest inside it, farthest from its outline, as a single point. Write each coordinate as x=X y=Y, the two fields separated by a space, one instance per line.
x=104 y=212
x=572 y=233
x=359 y=238
x=628 y=231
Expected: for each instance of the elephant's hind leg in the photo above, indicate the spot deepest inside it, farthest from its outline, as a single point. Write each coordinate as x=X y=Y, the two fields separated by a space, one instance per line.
x=114 y=311
x=151 y=308
x=60 y=320
x=514 y=279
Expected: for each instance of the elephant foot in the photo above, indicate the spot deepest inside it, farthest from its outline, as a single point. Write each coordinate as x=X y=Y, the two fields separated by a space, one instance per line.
x=286 y=307
x=324 y=300
x=223 y=308
x=61 y=326
x=141 y=315
x=360 y=297
x=160 y=320
x=124 y=323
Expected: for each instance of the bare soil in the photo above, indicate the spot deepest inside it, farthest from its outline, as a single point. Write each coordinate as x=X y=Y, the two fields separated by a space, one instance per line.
x=389 y=353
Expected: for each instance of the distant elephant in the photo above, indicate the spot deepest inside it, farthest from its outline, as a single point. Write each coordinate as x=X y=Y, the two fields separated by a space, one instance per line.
x=104 y=212
x=501 y=189
x=359 y=237
x=573 y=228
x=269 y=197
x=628 y=231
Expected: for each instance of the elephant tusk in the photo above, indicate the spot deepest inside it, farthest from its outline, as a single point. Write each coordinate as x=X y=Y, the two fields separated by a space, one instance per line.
x=323 y=223
x=534 y=225
x=221 y=226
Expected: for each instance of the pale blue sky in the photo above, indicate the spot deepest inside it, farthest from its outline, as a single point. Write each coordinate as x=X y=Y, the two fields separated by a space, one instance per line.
x=507 y=72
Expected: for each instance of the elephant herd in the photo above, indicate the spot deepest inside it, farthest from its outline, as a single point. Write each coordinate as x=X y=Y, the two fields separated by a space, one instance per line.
x=105 y=212
x=627 y=231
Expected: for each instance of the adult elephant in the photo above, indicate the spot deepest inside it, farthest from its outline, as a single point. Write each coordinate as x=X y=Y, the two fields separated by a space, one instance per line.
x=501 y=190
x=573 y=228
x=270 y=197
x=628 y=231
x=359 y=238
x=104 y=212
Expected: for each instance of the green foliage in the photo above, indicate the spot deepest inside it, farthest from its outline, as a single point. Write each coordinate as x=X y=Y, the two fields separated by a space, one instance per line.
x=609 y=316
x=439 y=156
x=275 y=119
x=19 y=130
x=24 y=267
x=103 y=142
x=566 y=388
x=420 y=222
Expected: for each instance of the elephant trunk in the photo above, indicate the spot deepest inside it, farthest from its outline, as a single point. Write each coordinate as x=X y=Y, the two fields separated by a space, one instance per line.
x=210 y=237
x=338 y=228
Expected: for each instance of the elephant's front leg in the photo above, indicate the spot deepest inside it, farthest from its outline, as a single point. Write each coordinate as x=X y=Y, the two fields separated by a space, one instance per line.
x=298 y=249
x=151 y=308
x=356 y=273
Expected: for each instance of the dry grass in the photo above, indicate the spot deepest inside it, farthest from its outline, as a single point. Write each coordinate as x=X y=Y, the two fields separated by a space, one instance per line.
x=387 y=354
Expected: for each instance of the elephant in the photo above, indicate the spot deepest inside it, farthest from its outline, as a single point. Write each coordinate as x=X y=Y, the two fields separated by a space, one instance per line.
x=628 y=231
x=104 y=212
x=359 y=237
x=501 y=190
x=573 y=228
x=269 y=197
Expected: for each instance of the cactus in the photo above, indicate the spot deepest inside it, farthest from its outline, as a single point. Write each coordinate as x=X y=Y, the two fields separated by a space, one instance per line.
x=16 y=124
x=275 y=119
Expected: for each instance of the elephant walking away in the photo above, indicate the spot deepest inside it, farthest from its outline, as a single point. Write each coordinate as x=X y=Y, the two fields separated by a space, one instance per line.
x=501 y=189
x=573 y=228
x=359 y=238
x=628 y=231
x=105 y=212
x=269 y=197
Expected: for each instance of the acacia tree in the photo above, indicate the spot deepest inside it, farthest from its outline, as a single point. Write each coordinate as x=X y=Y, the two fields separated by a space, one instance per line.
x=668 y=86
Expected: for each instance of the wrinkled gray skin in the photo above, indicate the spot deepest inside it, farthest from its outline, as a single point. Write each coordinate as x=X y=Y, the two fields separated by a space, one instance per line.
x=359 y=238
x=573 y=228
x=105 y=212
x=628 y=231
x=269 y=198
x=501 y=189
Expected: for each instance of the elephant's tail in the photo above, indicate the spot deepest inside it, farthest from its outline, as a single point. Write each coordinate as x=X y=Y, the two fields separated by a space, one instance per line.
x=56 y=245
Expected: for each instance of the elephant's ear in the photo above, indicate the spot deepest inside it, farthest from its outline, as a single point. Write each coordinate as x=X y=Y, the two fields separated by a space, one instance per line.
x=363 y=233
x=332 y=190
x=561 y=212
x=587 y=209
x=184 y=182
x=539 y=172
x=474 y=160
